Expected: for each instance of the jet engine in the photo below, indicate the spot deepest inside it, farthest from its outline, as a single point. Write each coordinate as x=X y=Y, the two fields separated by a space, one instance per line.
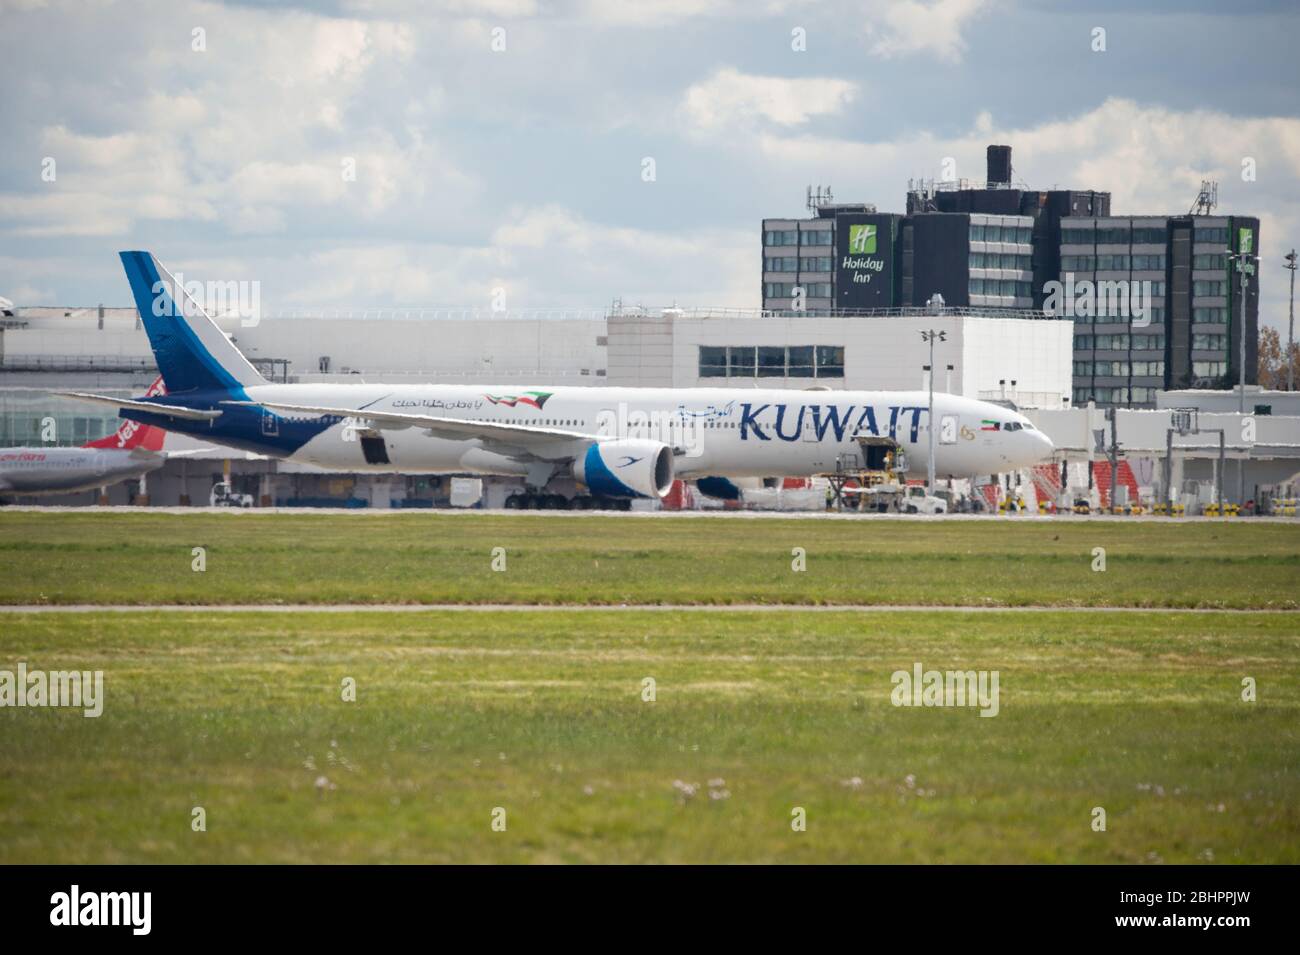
x=627 y=467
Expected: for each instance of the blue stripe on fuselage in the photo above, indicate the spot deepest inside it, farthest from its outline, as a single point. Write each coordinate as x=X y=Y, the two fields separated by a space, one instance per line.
x=239 y=426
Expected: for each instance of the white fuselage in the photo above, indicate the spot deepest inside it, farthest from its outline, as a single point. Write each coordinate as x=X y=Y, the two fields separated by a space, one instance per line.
x=63 y=470
x=728 y=432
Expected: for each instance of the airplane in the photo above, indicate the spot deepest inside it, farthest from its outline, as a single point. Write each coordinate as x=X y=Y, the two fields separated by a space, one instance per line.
x=578 y=445
x=131 y=452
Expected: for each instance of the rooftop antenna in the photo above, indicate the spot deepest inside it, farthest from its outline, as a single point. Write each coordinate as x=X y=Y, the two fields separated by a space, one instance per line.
x=1206 y=199
x=817 y=197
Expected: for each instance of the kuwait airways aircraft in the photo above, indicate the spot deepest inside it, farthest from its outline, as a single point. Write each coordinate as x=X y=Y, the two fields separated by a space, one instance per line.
x=617 y=443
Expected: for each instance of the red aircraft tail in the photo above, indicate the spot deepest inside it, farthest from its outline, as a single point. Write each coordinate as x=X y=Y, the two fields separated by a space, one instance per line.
x=132 y=434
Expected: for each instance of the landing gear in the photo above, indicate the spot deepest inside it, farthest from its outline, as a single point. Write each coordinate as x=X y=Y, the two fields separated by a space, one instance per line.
x=534 y=501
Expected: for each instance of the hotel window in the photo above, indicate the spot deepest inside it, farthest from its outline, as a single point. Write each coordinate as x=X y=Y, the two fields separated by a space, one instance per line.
x=1217 y=237
x=1149 y=343
x=977 y=232
x=1210 y=316
x=1112 y=263
x=787 y=263
x=1078 y=235
x=815 y=237
x=1148 y=236
x=1205 y=342
x=993 y=233
x=1209 y=369
x=1210 y=261
x=1148 y=263
x=977 y=286
x=790 y=237
x=1206 y=287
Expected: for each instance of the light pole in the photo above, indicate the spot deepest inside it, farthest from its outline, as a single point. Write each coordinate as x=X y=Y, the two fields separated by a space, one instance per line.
x=1290 y=328
x=930 y=336
x=1244 y=262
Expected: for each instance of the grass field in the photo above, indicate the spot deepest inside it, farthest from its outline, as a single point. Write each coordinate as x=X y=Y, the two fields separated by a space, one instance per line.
x=429 y=558
x=541 y=713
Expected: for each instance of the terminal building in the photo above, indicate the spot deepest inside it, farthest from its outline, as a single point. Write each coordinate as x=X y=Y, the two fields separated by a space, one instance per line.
x=999 y=245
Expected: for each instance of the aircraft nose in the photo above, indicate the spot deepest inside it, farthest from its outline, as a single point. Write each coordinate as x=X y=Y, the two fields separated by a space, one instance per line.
x=1044 y=443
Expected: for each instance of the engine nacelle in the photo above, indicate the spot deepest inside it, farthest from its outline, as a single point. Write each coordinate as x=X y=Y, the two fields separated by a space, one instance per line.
x=628 y=467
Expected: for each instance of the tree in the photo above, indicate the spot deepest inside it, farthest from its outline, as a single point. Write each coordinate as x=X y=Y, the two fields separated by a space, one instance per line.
x=1272 y=364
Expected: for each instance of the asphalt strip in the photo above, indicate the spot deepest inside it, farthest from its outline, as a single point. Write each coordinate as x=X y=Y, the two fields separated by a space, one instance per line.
x=601 y=608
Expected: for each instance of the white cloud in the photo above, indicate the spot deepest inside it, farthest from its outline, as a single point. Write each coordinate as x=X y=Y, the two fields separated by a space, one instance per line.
x=910 y=26
x=730 y=97
x=251 y=134
x=545 y=256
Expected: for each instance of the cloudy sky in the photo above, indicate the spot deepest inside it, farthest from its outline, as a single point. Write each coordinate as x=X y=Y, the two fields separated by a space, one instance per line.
x=504 y=143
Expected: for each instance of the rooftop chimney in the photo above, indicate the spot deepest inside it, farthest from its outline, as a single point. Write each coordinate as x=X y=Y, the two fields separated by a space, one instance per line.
x=999 y=163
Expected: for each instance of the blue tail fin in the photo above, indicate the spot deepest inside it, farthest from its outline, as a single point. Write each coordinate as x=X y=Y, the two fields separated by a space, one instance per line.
x=193 y=354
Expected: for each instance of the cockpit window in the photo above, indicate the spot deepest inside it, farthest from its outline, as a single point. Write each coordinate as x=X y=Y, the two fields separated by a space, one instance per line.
x=1027 y=426
x=1011 y=426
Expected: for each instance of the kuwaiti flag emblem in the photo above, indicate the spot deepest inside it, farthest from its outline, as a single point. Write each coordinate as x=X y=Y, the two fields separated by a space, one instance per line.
x=988 y=424
x=534 y=399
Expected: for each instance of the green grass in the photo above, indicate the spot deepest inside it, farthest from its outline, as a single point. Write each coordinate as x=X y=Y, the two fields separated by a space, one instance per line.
x=430 y=558
x=541 y=713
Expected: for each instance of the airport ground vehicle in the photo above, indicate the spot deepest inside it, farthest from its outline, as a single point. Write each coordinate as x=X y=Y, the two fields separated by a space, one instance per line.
x=222 y=495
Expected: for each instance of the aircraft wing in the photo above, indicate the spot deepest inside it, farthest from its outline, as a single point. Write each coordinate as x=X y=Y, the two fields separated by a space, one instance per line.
x=542 y=442
x=169 y=411
x=188 y=451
